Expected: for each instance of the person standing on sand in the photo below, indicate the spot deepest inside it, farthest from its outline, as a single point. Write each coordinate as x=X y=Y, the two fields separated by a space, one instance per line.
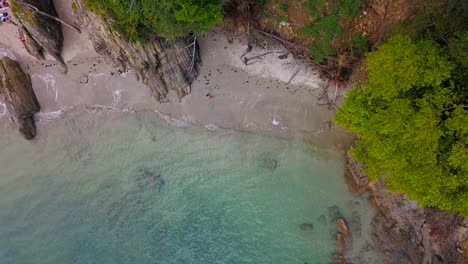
x=209 y=95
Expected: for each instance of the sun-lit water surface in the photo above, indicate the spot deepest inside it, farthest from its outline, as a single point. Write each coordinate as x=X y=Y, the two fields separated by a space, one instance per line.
x=89 y=190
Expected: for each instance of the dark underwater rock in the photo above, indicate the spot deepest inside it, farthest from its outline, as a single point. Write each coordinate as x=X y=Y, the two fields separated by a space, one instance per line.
x=267 y=163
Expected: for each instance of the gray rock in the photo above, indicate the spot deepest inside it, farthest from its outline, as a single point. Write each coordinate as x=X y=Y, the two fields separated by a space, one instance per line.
x=20 y=98
x=161 y=64
x=30 y=44
x=46 y=32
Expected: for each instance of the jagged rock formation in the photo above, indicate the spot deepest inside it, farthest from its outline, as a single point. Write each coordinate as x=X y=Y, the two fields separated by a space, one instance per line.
x=343 y=238
x=161 y=64
x=31 y=45
x=407 y=233
x=19 y=96
x=42 y=33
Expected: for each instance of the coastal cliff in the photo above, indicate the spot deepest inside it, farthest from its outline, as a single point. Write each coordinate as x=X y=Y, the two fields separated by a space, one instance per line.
x=20 y=98
x=41 y=33
x=405 y=232
x=161 y=64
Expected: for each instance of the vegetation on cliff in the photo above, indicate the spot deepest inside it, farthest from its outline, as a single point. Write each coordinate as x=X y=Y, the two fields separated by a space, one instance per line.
x=412 y=112
x=142 y=19
x=316 y=24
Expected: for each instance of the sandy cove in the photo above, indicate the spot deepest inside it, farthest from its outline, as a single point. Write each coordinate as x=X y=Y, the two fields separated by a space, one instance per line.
x=259 y=97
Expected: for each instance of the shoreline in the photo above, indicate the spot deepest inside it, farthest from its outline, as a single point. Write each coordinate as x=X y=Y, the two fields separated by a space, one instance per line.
x=255 y=98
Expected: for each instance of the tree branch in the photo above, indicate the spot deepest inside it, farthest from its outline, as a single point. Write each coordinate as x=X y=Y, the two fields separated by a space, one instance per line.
x=193 y=53
x=35 y=9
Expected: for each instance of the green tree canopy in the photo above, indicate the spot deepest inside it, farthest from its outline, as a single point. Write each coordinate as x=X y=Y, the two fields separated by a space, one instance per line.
x=141 y=19
x=412 y=120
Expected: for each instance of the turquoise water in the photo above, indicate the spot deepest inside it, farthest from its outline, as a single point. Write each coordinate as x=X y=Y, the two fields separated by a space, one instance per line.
x=89 y=190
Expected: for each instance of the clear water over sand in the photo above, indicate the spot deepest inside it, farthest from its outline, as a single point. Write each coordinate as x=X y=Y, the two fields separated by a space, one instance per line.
x=89 y=190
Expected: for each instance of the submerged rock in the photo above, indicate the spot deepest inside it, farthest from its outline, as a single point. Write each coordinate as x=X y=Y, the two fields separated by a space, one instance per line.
x=322 y=219
x=306 y=226
x=334 y=213
x=269 y=164
x=161 y=64
x=19 y=96
x=355 y=224
x=40 y=30
x=340 y=259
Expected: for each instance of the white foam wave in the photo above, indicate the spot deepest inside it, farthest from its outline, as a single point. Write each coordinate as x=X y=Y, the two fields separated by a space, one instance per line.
x=211 y=127
x=116 y=97
x=49 y=81
x=185 y=121
x=47 y=116
x=3 y=109
x=7 y=53
x=173 y=121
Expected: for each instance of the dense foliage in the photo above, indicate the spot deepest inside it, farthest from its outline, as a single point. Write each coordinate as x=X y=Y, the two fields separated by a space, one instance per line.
x=328 y=25
x=360 y=42
x=323 y=32
x=141 y=19
x=412 y=119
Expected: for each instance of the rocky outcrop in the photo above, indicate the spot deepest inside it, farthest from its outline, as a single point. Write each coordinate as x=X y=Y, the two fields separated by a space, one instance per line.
x=407 y=233
x=19 y=96
x=42 y=33
x=31 y=45
x=161 y=64
x=343 y=238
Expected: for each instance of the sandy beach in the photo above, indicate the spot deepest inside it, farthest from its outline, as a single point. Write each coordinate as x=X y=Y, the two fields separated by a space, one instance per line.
x=261 y=97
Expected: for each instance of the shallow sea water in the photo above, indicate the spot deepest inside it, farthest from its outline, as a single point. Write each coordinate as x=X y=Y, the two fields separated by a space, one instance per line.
x=89 y=190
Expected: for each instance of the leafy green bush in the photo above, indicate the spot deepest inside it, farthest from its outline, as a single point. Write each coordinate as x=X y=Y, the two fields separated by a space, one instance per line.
x=435 y=19
x=350 y=8
x=412 y=119
x=284 y=7
x=315 y=7
x=321 y=49
x=361 y=42
x=140 y=19
x=323 y=32
x=261 y=3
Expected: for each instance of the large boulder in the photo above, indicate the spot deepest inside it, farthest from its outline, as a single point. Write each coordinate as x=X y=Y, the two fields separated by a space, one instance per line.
x=162 y=64
x=20 y=99
x=31 y=45
x=46 y=32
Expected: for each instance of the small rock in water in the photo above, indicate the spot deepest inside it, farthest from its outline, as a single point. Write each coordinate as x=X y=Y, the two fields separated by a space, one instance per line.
x=306 y=226
x=269 y=164
x=334 y=212
x=322 y=219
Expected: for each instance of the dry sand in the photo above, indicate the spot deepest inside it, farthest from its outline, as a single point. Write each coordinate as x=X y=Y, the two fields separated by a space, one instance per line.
x=255 y=98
